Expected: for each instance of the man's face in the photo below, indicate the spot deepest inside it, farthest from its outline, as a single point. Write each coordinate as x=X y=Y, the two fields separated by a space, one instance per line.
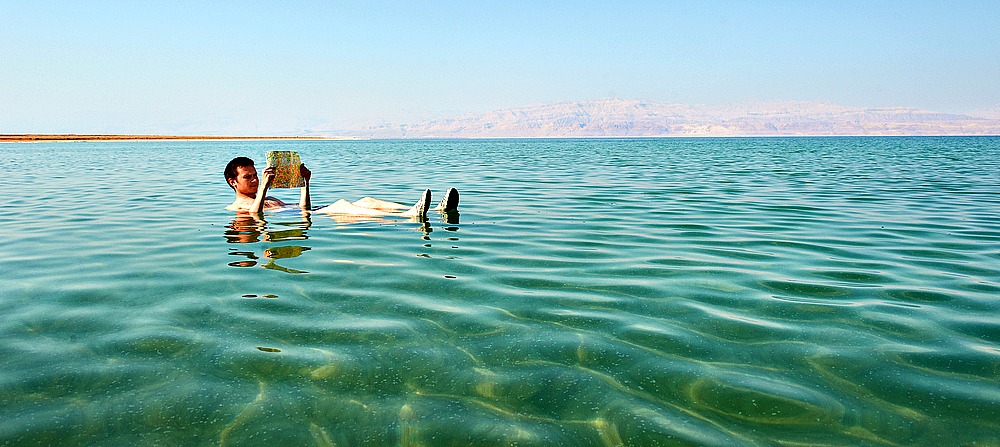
x=246 y=180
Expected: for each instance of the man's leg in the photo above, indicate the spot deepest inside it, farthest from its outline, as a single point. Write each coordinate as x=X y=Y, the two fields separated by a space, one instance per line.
x=370 y=202
x=344 y=207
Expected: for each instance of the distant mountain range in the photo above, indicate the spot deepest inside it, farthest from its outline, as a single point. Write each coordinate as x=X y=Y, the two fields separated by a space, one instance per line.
x=632 y=118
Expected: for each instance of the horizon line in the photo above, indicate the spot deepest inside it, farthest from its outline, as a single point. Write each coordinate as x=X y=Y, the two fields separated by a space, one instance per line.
x=29 y=138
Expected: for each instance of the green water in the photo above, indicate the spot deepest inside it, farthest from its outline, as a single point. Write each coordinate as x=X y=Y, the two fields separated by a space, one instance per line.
x=689 y=292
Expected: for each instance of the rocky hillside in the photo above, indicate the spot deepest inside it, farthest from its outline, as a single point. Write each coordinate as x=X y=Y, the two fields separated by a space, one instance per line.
x=630 y=118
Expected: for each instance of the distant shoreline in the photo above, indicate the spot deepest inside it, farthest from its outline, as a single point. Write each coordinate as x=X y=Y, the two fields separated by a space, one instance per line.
x=30 y=138
x=82 y=137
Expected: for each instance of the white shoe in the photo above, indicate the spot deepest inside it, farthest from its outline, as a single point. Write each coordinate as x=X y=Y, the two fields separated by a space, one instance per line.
x=420 y=208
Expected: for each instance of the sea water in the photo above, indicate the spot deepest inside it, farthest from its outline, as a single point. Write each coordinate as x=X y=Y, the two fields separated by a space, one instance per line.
x=689 y=292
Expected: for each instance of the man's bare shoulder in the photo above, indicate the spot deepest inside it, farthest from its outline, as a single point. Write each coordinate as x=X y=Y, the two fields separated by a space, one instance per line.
x=240 y=204
x=270 y=203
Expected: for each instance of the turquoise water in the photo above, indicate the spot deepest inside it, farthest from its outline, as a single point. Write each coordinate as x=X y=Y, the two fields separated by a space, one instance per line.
x=785 y=291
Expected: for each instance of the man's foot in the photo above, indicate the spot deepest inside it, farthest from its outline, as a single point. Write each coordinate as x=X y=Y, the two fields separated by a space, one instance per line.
x=420 y=208
x=449 y=202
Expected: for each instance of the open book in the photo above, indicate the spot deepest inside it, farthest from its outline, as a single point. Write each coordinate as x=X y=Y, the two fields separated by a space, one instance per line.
x=286 y=164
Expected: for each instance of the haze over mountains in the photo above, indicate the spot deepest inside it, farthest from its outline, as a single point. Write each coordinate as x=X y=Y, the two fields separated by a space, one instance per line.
x=633 y=118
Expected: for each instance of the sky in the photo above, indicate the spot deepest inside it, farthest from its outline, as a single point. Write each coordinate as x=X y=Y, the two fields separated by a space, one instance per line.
x=279 y=67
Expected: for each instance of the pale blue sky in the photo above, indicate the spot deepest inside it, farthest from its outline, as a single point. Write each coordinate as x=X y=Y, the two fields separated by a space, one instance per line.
x=268 y=66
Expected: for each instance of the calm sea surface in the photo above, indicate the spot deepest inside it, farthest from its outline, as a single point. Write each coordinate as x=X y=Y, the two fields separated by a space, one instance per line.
x=689 y=292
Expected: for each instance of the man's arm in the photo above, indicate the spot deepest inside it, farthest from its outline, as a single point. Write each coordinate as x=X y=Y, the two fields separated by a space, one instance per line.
x=265 y=183
x=304 y=200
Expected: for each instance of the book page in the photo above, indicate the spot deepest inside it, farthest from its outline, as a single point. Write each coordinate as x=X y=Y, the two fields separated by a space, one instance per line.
x=286 y=165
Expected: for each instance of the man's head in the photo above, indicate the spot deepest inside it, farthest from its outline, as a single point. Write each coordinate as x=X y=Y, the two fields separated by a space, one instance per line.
x=241 y=175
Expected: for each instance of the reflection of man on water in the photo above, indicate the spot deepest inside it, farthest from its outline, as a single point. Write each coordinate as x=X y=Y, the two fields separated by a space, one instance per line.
x=251 y=195
x=246 y=229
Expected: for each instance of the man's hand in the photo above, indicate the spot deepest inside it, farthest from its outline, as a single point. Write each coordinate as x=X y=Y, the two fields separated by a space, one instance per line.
x=305 y=172
x=267 y=177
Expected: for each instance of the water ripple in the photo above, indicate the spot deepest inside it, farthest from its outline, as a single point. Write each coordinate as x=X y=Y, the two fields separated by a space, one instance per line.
x=813 y=291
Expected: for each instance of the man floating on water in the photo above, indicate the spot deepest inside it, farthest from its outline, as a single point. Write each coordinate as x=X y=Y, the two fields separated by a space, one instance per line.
x=251 y=195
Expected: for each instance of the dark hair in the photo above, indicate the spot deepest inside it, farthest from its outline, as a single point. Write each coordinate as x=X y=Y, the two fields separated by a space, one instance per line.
x=230 y=171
